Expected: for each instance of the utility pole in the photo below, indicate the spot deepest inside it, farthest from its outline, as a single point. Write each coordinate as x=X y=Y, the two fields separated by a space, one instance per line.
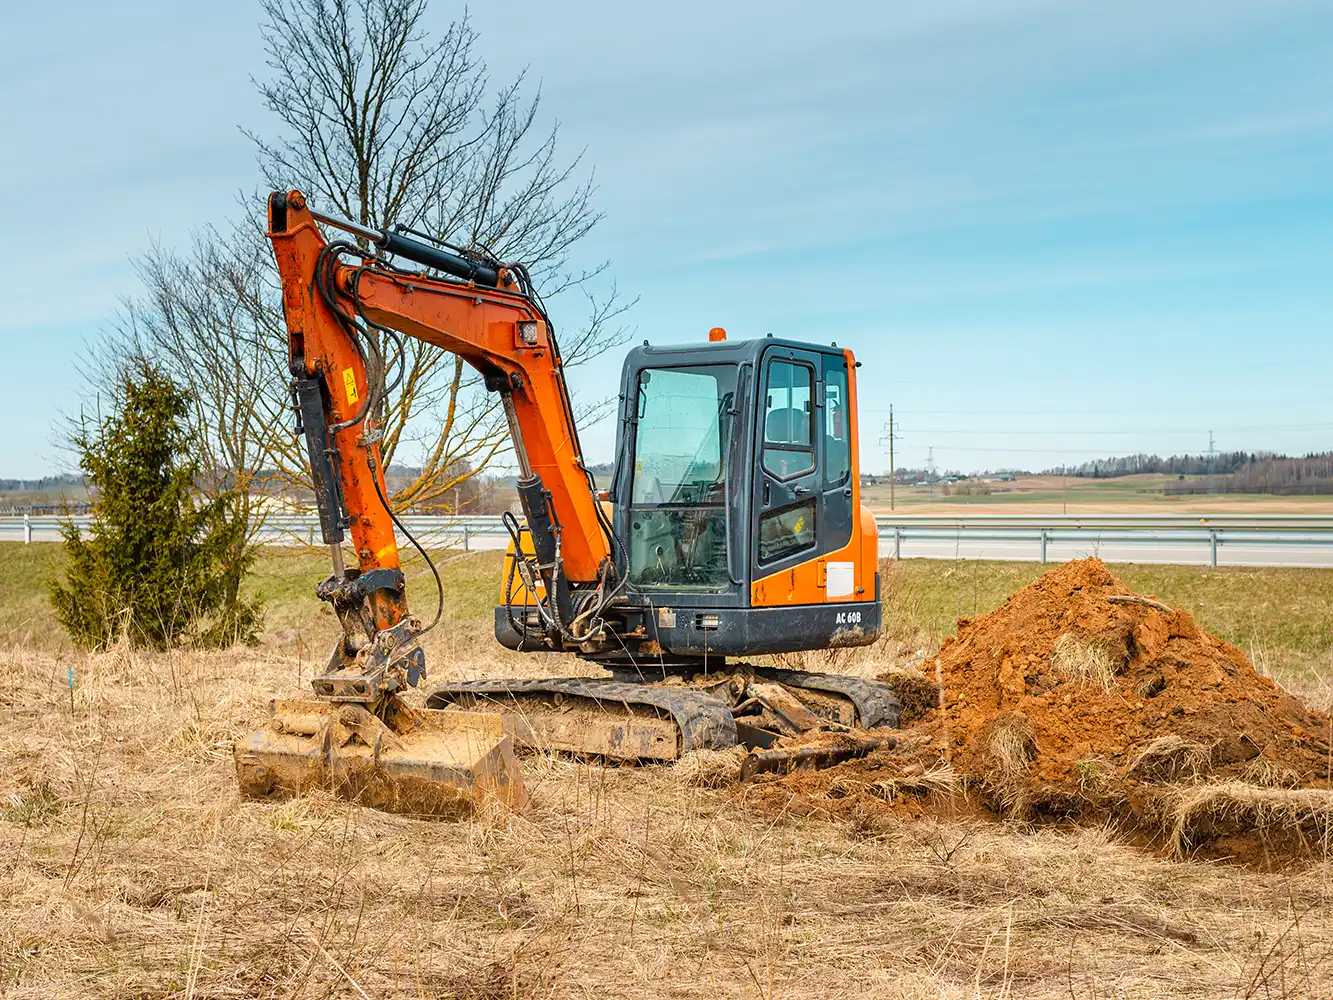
x=930 y=471
x=891 y=434
x=891 y=466
x=1212 y=465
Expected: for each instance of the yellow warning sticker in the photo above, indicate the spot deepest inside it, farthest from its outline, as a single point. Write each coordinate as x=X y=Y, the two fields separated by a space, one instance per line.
x=349 y=383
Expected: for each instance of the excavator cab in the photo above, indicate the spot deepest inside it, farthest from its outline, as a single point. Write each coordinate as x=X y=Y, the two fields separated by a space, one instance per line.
x=736 y=531
x=736 y=502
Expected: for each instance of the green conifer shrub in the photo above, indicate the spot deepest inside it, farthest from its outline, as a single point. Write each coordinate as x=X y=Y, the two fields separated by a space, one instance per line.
x=159 y=569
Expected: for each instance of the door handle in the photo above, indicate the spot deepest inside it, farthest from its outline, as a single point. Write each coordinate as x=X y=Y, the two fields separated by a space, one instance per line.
x=847 y=492
x=800 y=491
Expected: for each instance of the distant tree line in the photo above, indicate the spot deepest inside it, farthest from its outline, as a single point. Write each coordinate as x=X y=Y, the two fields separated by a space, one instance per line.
x=1312 y=474
x=1222 y=463
x=33 y=485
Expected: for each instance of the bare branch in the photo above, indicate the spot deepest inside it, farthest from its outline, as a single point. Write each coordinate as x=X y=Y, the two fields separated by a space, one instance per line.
x=384 y=123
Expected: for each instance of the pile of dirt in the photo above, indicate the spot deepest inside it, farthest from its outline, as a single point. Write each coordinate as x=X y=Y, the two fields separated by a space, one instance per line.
x=1078 y=700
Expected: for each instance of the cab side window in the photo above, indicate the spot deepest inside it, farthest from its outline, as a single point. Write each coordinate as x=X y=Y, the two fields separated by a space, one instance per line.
x=789 y=418
x=837 y=428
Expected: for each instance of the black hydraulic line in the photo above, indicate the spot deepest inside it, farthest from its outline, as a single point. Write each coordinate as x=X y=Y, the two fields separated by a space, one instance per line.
x=529 y=575
x=323 y=281
x=439 y=584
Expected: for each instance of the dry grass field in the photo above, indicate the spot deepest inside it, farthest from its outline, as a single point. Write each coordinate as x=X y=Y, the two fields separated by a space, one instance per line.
x=130 y=867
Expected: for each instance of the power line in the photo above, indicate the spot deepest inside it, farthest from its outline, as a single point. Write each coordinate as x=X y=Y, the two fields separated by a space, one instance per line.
x=965 y=449
x=1125 y=431
x=1076 y=411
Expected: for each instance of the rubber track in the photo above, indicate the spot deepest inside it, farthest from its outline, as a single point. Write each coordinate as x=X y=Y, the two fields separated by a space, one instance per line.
x=705 y=723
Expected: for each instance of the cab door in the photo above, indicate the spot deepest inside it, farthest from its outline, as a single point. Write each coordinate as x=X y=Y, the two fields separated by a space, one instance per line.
x=788 y=476
x=834 y=425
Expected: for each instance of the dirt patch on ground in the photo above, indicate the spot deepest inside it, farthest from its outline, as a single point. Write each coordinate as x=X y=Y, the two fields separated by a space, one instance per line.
x=1078 y=701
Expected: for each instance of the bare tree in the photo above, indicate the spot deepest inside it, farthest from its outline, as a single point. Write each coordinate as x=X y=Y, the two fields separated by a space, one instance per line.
x=386 y=126
x=383 y=124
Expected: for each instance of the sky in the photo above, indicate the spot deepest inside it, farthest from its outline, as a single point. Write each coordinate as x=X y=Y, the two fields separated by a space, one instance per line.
x=1050 y=231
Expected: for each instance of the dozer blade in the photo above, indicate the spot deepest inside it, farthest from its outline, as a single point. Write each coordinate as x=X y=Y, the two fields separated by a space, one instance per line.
x=421 y=762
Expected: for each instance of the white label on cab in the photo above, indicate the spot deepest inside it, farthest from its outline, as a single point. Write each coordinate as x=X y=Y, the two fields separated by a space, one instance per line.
x=839 y=579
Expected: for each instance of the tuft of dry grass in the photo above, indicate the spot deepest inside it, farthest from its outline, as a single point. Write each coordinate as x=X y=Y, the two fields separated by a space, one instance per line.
x=710 y=768
x=1094 y=775
x=1011 y=749
x=1303 y=812
x=1170 y=758
x=1084 y=662
x=936 y=780
x=1268 y=773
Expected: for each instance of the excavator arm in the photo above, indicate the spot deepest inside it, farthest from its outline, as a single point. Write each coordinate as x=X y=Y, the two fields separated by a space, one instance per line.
x=344 y=306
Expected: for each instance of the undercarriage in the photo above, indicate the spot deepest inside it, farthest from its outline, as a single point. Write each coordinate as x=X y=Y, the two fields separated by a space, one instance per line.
x=457 y=753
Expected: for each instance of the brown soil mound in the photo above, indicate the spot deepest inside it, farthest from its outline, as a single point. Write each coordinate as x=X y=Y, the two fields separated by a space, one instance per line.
x=1077 y=699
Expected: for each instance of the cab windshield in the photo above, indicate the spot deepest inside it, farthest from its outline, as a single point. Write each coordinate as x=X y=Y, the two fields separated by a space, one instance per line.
x=682 y=445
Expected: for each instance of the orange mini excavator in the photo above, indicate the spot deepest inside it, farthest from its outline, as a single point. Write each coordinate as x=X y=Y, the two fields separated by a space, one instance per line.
x=732 y=529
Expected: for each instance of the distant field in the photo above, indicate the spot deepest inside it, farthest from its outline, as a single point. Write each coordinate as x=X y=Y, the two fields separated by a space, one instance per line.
x=1055 y=495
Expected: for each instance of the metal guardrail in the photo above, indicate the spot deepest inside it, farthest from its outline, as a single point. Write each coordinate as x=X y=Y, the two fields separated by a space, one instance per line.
x=427 y=529
x=1041 y=530
x=284 y=529
x=1213 y=530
